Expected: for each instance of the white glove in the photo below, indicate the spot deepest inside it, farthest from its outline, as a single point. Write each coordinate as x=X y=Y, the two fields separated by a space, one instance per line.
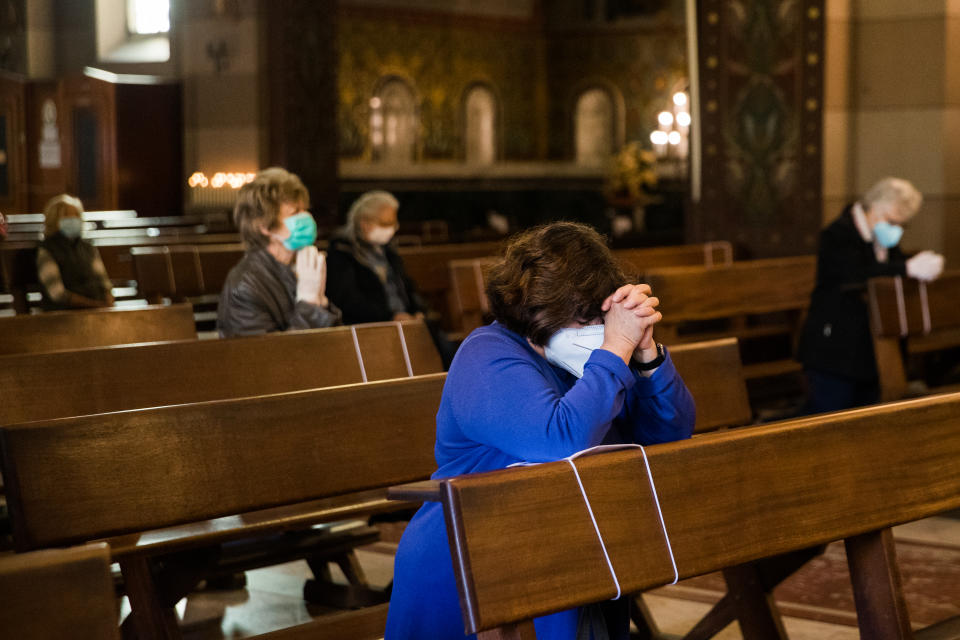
x=926 y=265
x=311 y=272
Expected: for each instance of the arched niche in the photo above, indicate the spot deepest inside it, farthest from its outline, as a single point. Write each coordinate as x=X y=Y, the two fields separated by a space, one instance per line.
x=393 y=122
x=480 y=126
x=594 y=127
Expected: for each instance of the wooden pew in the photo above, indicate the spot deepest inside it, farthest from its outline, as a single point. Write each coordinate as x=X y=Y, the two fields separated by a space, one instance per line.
x=707 y=254
x=467 y=276
x=753 y=490
x=166 y=487
x=100 y=380
x=88 y=216
x=181 y=271
x=63 y=593
x=926 y=315
x=427 y=267
x=64 y=330
x=736 y=297
x=714 y=375
x=115 y=252
x=18 y=269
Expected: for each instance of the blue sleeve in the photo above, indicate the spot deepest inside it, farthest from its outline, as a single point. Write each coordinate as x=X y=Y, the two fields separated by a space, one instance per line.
x=660 y=408
x=500 y=397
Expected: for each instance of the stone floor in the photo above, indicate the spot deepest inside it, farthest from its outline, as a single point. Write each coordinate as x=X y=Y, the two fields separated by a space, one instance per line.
x=272 y=599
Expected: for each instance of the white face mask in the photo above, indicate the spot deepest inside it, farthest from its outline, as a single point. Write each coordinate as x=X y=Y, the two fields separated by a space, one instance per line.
x=571 y=348
x=381 y=235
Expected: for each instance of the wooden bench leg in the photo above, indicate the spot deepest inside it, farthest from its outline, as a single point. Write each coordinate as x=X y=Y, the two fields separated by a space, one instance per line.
x=155 y=586
x=766 y=573
x=881 y=609
x=647 y=628
x=149 y=618
x=519 y=631
x=756 y=611
x=355 y=594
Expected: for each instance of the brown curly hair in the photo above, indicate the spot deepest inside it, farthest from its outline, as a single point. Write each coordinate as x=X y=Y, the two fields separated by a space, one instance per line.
x=551 y=276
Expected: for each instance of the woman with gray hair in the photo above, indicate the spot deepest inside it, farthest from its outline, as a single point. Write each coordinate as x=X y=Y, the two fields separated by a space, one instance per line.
x=367 y=280
x=72 y=275
x=863 y=242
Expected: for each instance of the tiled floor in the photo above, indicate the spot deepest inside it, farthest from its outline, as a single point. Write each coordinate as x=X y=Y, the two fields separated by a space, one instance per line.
x=272 y=599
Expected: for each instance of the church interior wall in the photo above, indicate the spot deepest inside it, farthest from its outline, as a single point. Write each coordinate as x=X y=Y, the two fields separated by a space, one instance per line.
x=441 y=56
x=892 y=108
x=891 y=98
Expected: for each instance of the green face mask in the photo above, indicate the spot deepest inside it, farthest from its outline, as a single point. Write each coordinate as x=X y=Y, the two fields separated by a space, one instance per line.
x=303 y=231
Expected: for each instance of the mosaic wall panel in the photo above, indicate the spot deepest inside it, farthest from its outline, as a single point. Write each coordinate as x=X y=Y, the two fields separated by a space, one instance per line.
x=761 y=93
x=644 y=67
x=441 y=60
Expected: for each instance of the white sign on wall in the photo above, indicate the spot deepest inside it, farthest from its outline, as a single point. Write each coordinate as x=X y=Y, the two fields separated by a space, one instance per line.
x=49 y=137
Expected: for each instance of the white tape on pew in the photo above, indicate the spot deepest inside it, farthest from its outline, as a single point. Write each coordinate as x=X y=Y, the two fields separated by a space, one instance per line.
x=656 y=501
x=924 y=308
x=356 y=345
x=406 y=354
x=901 y=306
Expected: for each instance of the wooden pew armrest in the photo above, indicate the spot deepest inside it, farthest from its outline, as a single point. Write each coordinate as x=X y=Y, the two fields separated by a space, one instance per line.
x=423 y=491
x=251 y=524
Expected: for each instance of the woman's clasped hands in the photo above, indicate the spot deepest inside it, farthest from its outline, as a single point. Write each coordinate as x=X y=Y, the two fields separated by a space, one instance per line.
x=629 y=315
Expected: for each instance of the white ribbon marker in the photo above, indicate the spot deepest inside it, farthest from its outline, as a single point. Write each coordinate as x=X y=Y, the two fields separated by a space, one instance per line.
x=356 y=345
x=593 y=519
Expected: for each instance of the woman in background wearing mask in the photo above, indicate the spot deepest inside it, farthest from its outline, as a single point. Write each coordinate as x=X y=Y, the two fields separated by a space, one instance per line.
x=265 y=292
x=72 y=275
x=836 y=347
x=367 y=278
x=569 y=363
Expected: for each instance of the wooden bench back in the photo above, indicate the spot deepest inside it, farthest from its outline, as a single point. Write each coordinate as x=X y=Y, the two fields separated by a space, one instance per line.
x=758 y=492
x=468 y=276
x=749 y=287
x=469 y=305
x=926 y=314
x=59 y=330
x=737 y=299
x=61 y=593
x=185 y=270
x=714 y=375
x=707 y=254
x=83 y=478
x=86 y=381
x=18 y=260
x=427 y=267
x=88 y=216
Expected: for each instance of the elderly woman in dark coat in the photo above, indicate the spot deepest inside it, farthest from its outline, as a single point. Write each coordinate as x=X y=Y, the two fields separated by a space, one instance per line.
x=367 y=279
x=862 y=243
x=72 y=275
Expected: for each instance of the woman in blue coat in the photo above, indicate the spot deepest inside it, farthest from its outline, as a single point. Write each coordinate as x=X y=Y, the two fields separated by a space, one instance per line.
x=569 y=363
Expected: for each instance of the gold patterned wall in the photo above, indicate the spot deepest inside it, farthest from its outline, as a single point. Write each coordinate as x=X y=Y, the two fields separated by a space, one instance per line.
x=535 y=66
x=642 y=67
x=440 y=58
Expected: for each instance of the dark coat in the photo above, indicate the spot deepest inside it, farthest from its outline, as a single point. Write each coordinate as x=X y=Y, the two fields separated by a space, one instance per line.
x=75 y=258
x=260 y=296
x=358 y=291
x=836 y=336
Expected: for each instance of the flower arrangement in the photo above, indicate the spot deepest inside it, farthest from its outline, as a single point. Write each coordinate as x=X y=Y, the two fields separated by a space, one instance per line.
x=632 y=175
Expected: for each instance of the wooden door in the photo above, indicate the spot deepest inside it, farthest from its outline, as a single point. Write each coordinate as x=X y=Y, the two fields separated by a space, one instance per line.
x=13 y=161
